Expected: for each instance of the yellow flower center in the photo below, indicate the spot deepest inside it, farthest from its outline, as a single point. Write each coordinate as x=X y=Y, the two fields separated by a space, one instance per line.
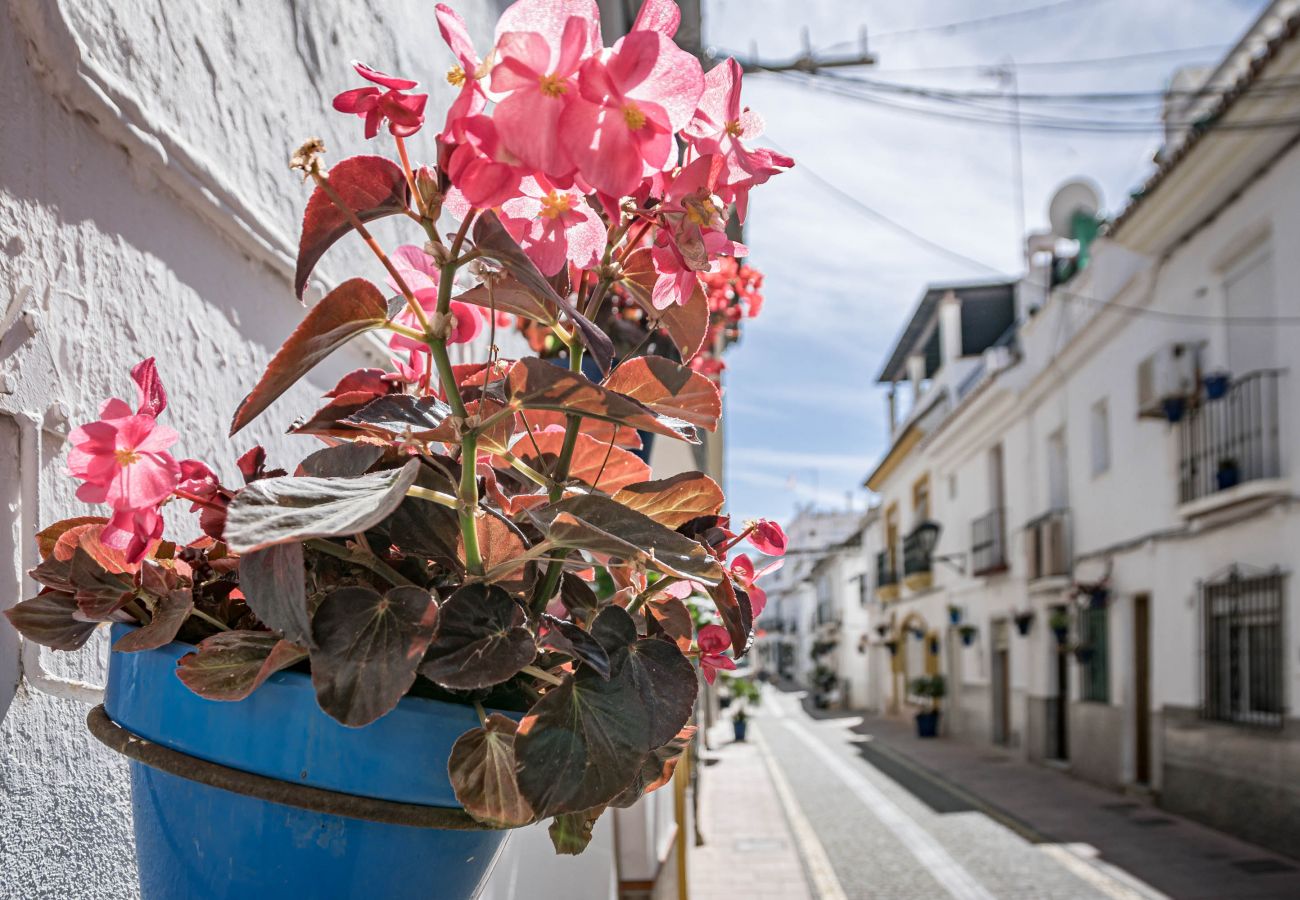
x=126 y=456
x=633 y=116
x=455 y=76
x=556 y=204
x=701 y=210
x=553 y=86
x=734 y=128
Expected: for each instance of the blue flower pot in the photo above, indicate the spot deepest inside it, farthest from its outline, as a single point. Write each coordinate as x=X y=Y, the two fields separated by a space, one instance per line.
x=1216 y=385
x=739 y=729
x=1173 y=408
x=954 y=615
x=199 y=842
x=927 y=724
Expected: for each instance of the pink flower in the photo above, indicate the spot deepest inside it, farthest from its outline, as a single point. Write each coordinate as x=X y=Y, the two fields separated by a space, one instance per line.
x=467 y=73
x=744 y=573
x=478 y=163
x=553 y=226
x=121 y=459
x=619 y=126
x=662 y=16
x=540 y=44
x=151 y=399
x=404 y=112
x=421 y=276
x=768 y=537
x=718 y=127
x=137 y=531
x=714 y=641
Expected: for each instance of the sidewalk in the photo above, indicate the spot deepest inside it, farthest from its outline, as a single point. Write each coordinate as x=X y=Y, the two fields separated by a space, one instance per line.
x=1173 y=855
x=749 y=849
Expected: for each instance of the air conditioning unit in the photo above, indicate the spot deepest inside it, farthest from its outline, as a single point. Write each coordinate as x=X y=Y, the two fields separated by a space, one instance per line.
x=1171 y=373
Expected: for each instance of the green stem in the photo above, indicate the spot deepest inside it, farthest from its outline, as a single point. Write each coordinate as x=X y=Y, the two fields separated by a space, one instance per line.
x=369 y=561
x=543 y=675
x=211 y=620
x=469 y=500
x=649 y=592
x=433 y=496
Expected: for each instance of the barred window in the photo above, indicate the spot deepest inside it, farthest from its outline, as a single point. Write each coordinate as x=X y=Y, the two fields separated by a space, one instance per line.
x=1094 y=673
x=1243 y=649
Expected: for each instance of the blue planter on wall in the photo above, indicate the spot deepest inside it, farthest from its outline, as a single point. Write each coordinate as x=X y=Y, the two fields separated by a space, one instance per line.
x=200 y=842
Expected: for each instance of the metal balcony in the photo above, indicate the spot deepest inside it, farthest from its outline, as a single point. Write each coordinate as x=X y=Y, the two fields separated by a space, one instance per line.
x=1048 y=545
x=988 y=543
x=1231 y=440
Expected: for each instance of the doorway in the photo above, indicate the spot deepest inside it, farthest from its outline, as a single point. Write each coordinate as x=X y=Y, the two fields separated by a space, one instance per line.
x=1001 y=684
x=1142 y=687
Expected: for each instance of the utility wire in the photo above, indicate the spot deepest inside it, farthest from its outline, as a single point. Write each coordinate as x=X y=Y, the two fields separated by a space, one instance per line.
x=1011 y=16
x=880 y=218
x=1068 y=64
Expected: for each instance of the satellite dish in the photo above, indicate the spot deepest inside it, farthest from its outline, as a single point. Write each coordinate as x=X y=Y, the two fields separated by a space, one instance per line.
x=1072 y=199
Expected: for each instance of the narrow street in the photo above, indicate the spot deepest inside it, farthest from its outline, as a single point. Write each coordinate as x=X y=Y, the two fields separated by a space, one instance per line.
x=866 y=818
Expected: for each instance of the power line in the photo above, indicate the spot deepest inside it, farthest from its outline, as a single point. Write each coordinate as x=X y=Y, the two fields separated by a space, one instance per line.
x=1017 y=15
x=880 y=218
x=1088 y=62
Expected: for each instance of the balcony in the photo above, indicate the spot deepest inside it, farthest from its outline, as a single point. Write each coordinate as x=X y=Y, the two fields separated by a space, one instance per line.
x=1230 y=441
x=1048 y=546
x=886 y=577
x=988 y=543
x=917 y=566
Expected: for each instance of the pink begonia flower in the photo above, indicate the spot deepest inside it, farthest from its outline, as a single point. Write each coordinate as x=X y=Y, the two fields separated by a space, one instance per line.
x=151 y=398
x=768 y=537
x=137 y=531
x=197 y=479
x=718 y=127
x=714 y=641
x=478 y=163
x=121 y=459
x=743 y=571
x=662 y=16
x=421 y=276
x=553 y=226
x=404 y=112
x=540 y=44
x=468 y=71
x=619 y=126
x=677 y=280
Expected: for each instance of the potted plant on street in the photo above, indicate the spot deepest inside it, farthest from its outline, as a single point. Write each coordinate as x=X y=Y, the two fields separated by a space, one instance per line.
x=746 y=693
x=466 y=612
x=1228 y=474
x=967 y=633
x=932 y=689
x=1024 y=621
x=1059 y=622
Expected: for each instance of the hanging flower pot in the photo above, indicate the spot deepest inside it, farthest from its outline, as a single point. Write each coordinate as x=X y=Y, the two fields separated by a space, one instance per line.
x=1173 y=408
x=1083 y=654
x=934 y=646
x=892 y=647
x=1098 y=597
x=882 y=630
x=1060 y=625
x=1216 y=385
x=1024 y=621
x=916 y=633
x=967 y=633
x=954 y=614
x=291 y=795
x=1228 y=474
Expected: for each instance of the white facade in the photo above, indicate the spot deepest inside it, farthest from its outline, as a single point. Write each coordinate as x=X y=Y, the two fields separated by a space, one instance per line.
x=1062 y=470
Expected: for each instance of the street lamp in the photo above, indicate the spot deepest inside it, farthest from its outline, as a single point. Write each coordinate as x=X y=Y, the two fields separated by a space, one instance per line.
x=927 y=536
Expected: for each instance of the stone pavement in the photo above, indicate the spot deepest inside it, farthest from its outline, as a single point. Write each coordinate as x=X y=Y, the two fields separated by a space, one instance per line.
x=749 y=850
x=1172 y=855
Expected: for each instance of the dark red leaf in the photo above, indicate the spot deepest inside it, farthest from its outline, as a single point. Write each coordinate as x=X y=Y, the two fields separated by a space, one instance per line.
x=341 y=460
x=568 y=638
x=354 y=307
x=100 y=593
x=481 y=640
x=50 y=620
x=367 y=648
x=687 y=325
x=371 y=186
x=232 y=664
x=536 y=384
x=48 y=537
x=170 y=611
x=593 y=463
x=669 y=389
x=482 y=769
x=491 y=237
x=672 y=502
x=738 y=617
x=272 y=581
x=572 y=832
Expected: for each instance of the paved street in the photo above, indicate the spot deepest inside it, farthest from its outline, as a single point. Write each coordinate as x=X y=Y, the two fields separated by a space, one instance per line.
x=811 y=816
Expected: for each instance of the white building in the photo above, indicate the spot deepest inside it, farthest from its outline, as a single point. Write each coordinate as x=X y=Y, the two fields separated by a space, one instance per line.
x=1047 y=463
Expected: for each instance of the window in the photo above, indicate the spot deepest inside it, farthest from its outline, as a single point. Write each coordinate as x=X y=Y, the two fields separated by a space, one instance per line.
x=1100 y=438
x=1094 y=673
x=921 y=500
x=1244 y=649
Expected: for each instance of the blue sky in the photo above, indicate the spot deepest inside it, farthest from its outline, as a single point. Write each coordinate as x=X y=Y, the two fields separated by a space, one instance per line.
x=801 y=394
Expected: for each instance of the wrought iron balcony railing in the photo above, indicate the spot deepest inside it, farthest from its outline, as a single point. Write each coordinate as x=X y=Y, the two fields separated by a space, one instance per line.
x=1230 y=440
x=886 y=574
x=1048 y=549
x=916 y=555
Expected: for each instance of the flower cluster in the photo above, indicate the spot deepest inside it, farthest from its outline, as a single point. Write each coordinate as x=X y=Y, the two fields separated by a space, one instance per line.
x=734 y=293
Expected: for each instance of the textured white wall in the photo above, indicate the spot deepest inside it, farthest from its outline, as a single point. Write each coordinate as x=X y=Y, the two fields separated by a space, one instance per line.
x=146 y=209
